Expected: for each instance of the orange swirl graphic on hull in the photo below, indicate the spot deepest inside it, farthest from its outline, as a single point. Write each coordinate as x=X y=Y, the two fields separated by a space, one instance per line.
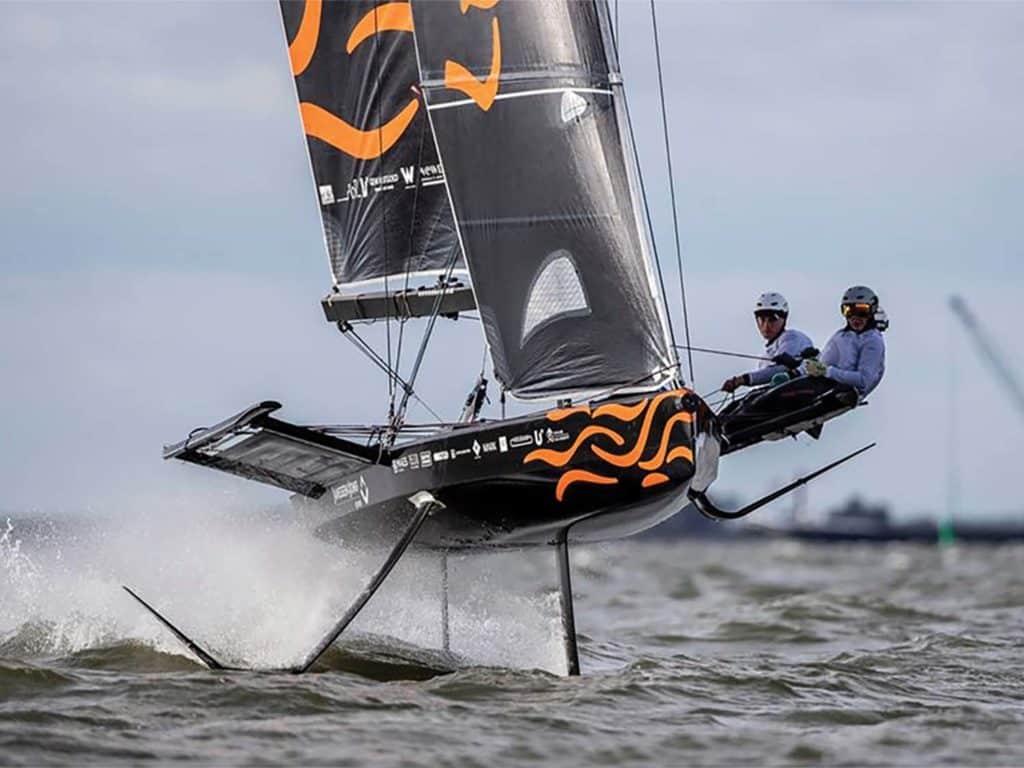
x=655 y=478
x=659 y=458
x=561 y=458
x=580 y=476
x=565 y=413
x=622 y=412
x=647 y=409
x=631 y=458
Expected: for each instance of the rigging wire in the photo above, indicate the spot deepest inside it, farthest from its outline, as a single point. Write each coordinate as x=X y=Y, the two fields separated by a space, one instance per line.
x=412 y=227
x=647 y=210
x=383 y=209
x=379 y=361
x=398 y=417
x=724 y=353
x=672 y=188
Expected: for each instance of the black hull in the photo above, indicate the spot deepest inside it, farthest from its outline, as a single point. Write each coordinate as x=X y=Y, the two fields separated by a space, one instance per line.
x=803 y=404
x=602 y=472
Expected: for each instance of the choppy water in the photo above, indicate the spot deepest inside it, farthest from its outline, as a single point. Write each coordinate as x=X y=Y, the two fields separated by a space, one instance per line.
x=753 y=652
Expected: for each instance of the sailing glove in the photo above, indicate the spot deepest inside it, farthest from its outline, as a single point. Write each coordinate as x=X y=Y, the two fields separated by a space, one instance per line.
x=731 y=384
x=814 y=368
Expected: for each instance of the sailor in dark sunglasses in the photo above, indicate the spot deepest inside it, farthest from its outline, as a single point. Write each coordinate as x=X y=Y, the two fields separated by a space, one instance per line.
x=855 y=355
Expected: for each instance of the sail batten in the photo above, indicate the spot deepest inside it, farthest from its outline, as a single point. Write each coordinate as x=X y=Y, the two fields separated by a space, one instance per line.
x=378 y=181
x=544 y=194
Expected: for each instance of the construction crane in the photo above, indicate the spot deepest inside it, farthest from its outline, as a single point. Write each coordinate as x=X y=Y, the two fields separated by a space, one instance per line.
x=989 y=351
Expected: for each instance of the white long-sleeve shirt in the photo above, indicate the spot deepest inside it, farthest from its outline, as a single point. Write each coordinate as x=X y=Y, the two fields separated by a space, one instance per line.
x=789 y=342
x=857 y=359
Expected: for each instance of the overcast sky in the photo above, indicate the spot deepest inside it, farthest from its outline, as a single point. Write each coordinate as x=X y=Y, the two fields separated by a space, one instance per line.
x=162 y=260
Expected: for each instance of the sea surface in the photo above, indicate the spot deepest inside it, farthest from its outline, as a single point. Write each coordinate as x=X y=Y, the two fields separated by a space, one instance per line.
x=694 y=652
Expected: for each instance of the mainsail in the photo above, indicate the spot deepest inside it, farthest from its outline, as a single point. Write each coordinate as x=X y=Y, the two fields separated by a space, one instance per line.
x=380 y=185
x=527 y=108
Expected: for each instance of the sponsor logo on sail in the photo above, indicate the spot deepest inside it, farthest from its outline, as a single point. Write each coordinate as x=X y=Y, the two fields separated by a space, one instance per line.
x=414 y=461
x=364 y=492
x=503 y=444
x=476 y=449
x=326 y=194
x=440 y=456
x=425 y=459
x=490 y=447
x=538 y=436
x=521 y=441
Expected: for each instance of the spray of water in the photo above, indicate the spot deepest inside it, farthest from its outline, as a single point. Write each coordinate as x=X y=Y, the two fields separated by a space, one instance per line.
x=256 y=588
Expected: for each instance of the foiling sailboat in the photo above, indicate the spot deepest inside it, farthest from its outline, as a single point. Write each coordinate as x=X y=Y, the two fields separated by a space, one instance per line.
x=476 y=155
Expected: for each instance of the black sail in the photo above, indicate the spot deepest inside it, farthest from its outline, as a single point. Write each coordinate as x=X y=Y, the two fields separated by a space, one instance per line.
x=380 y=185
x=527 y=108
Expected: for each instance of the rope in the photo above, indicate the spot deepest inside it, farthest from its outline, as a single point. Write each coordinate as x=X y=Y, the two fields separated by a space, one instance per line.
x=672 y=189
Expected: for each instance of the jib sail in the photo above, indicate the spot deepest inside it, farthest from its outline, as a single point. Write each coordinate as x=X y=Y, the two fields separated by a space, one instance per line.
x=380 y=185
x=526 y=104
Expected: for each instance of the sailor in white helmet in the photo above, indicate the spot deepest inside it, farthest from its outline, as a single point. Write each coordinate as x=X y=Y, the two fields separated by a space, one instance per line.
x=855 y=355
x=771 y=311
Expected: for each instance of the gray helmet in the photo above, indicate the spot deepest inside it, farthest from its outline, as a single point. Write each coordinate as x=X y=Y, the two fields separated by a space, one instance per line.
x=859 y=294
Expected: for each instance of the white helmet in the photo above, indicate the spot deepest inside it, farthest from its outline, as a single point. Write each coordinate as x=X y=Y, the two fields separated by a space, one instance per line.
x=771 y=302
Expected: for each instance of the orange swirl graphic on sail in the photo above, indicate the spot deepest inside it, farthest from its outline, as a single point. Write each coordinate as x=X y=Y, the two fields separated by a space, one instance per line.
x=364 y=145
x=484 y=5
x=561 y=458
x=580 y=476
x=387 y=17
x=458 y=78
x=323 y=124
x=300 y=52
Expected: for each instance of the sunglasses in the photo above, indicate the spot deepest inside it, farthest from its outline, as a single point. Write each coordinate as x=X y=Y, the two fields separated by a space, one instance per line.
x=857 y=310
x=770 y=316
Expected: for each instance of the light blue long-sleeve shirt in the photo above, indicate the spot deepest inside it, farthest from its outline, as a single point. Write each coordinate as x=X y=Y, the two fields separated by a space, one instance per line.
x=789 y=342
x=856 y=359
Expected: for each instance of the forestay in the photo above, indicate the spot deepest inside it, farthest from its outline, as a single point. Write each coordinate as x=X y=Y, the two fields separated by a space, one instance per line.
x=380 y=186
x=527 y=108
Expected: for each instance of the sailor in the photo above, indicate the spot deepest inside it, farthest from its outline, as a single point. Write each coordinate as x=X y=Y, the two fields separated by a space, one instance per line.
x=771 y=311
x=855 y=355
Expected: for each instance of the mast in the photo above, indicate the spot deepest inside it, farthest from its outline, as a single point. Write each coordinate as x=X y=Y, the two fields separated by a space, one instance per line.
x=526 y=107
